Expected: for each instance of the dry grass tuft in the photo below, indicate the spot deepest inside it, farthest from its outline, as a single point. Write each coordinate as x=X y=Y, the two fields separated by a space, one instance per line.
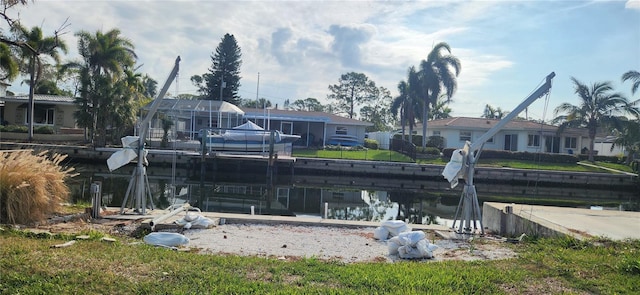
x=31 y=185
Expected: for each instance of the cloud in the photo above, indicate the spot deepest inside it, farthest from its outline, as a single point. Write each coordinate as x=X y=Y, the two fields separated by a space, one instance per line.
x=301 y=47
x=279 y=40
x=632 y=4
x=347 y=41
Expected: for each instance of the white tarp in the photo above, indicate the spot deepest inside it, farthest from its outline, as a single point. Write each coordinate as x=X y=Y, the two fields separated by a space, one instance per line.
x=455 y=168
x=128 y=153
x=390 y=228
x=191 y=220
x=411 y=245
x=166 y=239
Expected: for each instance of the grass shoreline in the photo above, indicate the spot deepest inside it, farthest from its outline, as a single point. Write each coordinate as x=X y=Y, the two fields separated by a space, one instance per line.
x=543 y=266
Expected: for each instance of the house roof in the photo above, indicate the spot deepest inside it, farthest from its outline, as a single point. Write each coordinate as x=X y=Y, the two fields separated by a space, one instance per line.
x=290 y=115
x=171 y=105
x=483 y=124
x=40 y=98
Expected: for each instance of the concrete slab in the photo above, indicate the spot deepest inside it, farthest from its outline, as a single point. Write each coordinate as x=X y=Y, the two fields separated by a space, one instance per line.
x=547 y=220
x=266 y=219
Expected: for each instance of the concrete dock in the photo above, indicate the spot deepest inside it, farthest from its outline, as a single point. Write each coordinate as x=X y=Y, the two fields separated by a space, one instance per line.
x=547 y=221
x=261 y=219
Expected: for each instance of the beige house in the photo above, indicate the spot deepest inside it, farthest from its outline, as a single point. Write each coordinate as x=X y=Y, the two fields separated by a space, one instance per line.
x=48 y=110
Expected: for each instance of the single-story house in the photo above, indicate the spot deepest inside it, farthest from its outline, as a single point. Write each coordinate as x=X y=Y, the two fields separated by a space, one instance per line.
x=48 y=110
x=517 y=135
x=315 y=128
x=191 y=116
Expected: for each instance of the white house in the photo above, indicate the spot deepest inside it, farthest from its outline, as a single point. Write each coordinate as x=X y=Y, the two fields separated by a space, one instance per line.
x=517 y=135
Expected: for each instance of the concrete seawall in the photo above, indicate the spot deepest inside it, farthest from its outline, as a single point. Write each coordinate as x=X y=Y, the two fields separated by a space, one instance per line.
x=371 y=169
x=546 y=221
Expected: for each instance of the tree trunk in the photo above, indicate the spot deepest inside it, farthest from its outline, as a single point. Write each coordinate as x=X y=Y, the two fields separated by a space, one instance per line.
x=32 y=86
x=425 y=117
x=591 y=145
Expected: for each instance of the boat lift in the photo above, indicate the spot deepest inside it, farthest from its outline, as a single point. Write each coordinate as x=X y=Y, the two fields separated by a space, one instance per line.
x=463 y=162
x=139 y=183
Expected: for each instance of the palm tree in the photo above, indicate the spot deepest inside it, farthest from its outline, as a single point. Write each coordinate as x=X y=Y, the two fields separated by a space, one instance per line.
x=634 y=77
x=35 y=47
x=492 y=113
x=150 y=86
x=438 y=72
x=105 y=57
x=440 y=109
x=8 y=65
x=399 y=105
x=598 y=106
x=407 y=103
x=629 y=138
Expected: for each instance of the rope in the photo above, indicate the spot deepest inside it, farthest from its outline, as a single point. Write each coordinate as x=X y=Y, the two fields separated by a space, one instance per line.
x=539 y=160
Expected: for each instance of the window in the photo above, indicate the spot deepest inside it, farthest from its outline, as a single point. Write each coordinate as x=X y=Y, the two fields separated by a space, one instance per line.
x=534 y=140
x=570 y=142
x=465 y=135
x=490 y=140
x=42 y=115
x=341 y=130
x=286 y=127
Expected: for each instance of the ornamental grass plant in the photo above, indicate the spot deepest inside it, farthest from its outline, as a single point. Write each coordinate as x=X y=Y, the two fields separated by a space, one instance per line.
x=32 y=185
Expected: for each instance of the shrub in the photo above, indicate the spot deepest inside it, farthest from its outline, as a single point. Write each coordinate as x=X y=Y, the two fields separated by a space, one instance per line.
x=608 y=159
x=344 y=148
x=31 y=186
x=371 y=144
x=436 y=142
x=16 y=128
x=416 y=138
x=429 y=150
x=43 y=130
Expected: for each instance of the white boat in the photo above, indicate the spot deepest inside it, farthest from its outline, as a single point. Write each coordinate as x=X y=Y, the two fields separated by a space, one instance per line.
x=249 y=137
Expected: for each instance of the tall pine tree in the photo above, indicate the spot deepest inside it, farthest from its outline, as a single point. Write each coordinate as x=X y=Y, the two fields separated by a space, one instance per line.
x=225 y=71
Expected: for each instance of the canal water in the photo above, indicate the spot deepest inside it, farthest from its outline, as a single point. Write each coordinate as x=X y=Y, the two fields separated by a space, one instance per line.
x=339 y=197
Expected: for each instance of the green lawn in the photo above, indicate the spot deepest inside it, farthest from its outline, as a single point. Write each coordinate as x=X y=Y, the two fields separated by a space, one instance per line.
x=385 y=155
x=373 y=155
x=544 y=266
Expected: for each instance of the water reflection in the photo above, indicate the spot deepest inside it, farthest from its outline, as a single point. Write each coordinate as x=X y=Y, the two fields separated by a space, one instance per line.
x=369 y=199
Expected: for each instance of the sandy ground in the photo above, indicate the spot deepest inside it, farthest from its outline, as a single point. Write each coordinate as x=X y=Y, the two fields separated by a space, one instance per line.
x=289 y=242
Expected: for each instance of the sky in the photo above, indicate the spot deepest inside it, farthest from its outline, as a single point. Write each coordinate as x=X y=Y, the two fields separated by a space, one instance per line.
x=296 y=49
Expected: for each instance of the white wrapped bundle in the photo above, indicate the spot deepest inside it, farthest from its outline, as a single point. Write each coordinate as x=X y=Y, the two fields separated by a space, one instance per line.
x=166 y=239
x=395 y=227
x=381 y=233
x=393 y=244
x=411 y=237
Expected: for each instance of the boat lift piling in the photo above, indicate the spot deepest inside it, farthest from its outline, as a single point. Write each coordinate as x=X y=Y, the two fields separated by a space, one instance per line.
x=463 y=162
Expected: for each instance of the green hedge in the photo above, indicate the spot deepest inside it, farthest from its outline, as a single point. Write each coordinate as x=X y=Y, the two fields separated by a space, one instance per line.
x=432 y=141
x=608 y=159
x=371 y=144
x=14 y=128
x=25 y=129
x=524 y=156
x=429 y=150
x=43 y=130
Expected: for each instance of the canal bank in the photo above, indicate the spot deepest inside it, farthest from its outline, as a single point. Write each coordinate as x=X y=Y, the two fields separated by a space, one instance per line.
x=288 y=166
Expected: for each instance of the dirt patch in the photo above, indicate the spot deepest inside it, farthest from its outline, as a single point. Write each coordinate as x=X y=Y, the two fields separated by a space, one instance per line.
x=329 y=243
x=290 y=242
